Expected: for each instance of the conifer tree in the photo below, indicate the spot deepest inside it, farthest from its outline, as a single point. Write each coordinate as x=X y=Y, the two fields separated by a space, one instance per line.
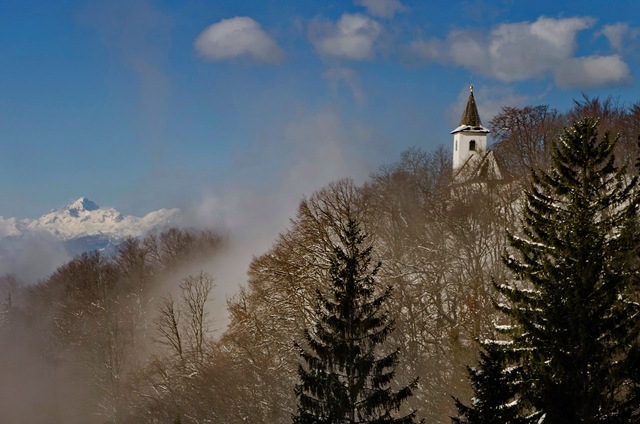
x=346 y=375
x=574 y=266
x=495 y=385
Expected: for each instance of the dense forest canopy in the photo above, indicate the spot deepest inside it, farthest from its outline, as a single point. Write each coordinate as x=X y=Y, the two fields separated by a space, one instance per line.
x=102 y=340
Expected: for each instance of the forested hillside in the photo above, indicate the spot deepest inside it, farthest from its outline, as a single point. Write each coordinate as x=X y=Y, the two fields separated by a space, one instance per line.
x=127 y=339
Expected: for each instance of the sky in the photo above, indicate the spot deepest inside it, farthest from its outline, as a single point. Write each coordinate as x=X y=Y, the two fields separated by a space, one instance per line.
x=234 y=110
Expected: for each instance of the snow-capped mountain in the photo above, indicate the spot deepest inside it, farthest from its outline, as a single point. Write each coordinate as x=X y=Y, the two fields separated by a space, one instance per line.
x=83 y=225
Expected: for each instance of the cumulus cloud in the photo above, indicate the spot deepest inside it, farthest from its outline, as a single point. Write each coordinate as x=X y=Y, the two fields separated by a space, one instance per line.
x=237 y=37
x=382 y=8
x=352 y=37
x=469 y=49
x=525 y=50
x=592 y=71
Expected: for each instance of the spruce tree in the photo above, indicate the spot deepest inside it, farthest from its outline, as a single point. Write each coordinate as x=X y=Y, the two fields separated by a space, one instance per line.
x=495 y=383
x=574 y=266
x=345 y=374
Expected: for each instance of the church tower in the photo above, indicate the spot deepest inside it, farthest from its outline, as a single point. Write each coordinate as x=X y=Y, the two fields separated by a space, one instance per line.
x=470 y=138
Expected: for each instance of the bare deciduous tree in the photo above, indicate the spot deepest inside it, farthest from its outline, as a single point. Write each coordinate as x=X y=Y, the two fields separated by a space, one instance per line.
x=523 y=136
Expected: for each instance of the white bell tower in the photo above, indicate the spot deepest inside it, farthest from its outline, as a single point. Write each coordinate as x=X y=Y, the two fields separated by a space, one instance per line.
x=470 y=138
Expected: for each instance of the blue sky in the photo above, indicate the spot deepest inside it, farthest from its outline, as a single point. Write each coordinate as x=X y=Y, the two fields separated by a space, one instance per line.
x=235 y=109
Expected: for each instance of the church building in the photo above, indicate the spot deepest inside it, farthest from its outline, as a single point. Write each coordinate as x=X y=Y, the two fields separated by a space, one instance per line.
x=472 y=161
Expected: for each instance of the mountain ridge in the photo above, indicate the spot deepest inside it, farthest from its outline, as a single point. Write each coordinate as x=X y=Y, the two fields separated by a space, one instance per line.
x=83 y=225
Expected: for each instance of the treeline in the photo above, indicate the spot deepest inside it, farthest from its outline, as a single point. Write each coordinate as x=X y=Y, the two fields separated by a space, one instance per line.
x=103 y=341
x=523 y=137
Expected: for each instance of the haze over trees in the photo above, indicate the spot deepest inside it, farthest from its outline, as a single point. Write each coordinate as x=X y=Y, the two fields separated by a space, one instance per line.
x=128 y=339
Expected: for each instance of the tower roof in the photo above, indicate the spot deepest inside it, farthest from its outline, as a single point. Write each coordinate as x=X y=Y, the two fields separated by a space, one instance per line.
x=470 y=116
x=470 y=121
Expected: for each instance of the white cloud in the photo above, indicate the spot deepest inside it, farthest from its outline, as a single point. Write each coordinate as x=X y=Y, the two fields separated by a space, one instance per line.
x=352 y=37
x=465 y=48
x=382 y=8
x=236 y=37
x=592 y=71
x=621 y=36
x=615 y=34
x=527 y=50
x=468 y=49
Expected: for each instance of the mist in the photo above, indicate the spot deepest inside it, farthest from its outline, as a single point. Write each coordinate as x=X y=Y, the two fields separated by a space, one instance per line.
x=32 y=257
x=315 y=150
x=248 y=212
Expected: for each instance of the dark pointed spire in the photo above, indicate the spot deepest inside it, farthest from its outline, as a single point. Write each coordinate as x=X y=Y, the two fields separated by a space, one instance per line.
x=470 y=116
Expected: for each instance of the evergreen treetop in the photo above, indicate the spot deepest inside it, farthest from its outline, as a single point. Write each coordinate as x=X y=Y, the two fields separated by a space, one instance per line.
x=495 y=383
x=347 y=373
x=573 y=267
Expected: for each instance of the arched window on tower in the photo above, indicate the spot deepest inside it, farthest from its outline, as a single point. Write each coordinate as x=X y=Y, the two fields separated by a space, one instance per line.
x=472 y=146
